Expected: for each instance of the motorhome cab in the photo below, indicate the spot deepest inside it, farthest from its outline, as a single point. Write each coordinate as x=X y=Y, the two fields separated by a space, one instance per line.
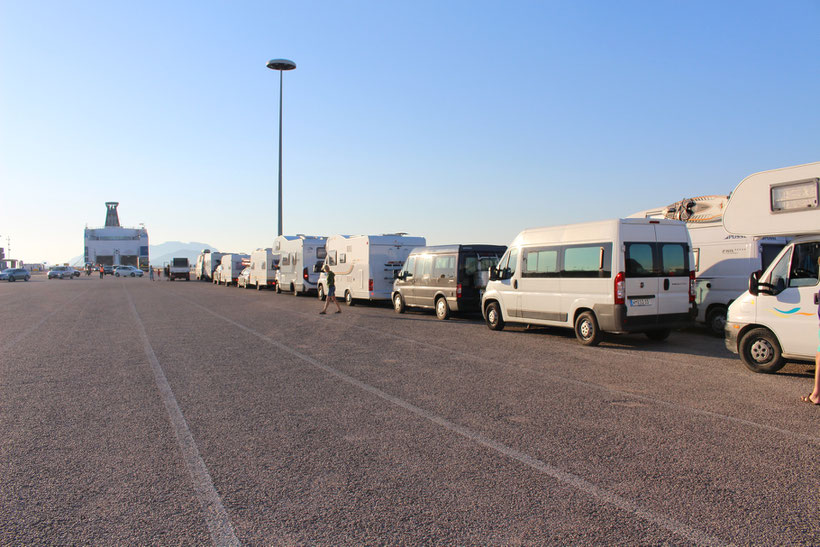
x=446 y=278
x=618 y=276
x=366 y=265
x=776 y=319
x=298 y=256
x=232 y=265
x=263 y=269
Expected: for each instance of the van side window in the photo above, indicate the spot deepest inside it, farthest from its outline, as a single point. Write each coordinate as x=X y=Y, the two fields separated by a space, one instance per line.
x=342 y=258
x=331 y=258
x=593 y=260
x=803 y=272
x=425 y=266
x=444 y=267
x=409 y=266
x=513 y=264
x=780 y=272
x=674 y=260
x=640 y=260
x=286 y=260
x=540 y=262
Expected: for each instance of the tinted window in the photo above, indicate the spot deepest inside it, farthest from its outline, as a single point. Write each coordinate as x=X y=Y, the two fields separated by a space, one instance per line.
x=540 y=262
x=674 y=259
x=588 y=260
x=321 y=253
x=444 y=266
x=640 y=259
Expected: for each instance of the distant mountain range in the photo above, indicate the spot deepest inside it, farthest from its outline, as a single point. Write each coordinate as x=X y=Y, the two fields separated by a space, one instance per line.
x=164 y=252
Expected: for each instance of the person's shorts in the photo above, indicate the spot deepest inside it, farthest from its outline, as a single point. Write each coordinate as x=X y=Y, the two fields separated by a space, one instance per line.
x=331 y=291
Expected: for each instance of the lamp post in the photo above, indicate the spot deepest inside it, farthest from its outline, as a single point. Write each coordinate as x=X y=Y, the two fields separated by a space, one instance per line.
x=280 y=65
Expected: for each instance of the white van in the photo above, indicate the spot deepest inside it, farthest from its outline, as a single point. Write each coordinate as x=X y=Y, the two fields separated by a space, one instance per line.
x=619 y=276
x=232 y=265
x=263 y=268
x=206 y=263
x=366 y=265
x=298 y=256
x=776 y=319
x=722 y=261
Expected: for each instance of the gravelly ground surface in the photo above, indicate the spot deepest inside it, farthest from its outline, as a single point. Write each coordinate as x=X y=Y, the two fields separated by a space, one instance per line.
x=139 y=412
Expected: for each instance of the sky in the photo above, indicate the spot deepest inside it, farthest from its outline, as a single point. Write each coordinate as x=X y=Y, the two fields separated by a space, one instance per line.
x=463 y=122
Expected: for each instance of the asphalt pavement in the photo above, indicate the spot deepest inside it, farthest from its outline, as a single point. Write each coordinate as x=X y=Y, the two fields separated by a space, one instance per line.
x=140 y=412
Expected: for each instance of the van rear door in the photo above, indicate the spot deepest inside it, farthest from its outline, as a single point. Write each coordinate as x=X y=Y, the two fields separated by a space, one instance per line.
x=673 y=269
x=641 y=279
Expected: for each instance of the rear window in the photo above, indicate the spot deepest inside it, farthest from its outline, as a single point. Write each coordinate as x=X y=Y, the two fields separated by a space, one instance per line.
x=674 y=261
x=180 y=262
x=321 y=253
x=648 y=259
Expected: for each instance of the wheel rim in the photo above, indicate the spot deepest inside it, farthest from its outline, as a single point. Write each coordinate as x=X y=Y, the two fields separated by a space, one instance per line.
x=761 y=351
x=492 y=317
x=397 y=302
x=585 y=328
x=441 y=307
x=718 y=322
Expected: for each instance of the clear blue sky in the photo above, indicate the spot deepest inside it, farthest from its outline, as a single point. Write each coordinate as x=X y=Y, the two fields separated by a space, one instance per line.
x=458 y=121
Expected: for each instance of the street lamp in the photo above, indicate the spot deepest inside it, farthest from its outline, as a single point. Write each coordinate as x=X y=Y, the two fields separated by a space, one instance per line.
x=280 y=65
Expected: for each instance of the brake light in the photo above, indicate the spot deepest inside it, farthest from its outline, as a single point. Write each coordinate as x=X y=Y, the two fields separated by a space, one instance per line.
x=691 y=286
x=620 y=288
x=370 y=285
x=305 y=274
x=458 y=290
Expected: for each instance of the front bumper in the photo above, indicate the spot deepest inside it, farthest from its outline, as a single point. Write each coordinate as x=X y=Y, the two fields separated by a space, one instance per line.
x=731 y=333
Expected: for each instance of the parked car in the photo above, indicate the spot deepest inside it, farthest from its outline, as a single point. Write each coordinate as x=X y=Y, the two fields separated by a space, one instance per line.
x=61 y=272
x=13 y=274
x=244 y=279
x=108 y=269
x=128 y=271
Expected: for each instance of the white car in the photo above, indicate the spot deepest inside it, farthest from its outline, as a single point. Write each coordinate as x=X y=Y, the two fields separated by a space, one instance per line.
x=128 y=271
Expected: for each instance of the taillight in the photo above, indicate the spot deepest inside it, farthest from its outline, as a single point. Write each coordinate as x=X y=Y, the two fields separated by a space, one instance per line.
x=305 y=274
x=458 y=290
x=620 y=288
x=691 y=286
x=370 y=285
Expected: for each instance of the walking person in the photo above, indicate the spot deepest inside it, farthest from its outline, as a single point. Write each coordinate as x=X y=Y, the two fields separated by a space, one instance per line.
x=159 y=274
x=150 y=273
x=102 y=271
x=814 y=396
x=331 y=290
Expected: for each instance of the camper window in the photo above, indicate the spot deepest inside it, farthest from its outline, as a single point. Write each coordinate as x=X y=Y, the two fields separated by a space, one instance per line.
x=331 y=258
x=321 y=253
x=804 y=265
x=342 y=258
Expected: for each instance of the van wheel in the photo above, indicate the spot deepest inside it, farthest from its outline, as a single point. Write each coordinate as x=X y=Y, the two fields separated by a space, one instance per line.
x=320 y=291
x=586 y=329
x=658 y=335
x=258 y=288
x=442 y=309
x=349 y=298
x=716 y=320
x=398 y=303
x=278 y=288
x=294 y=290
x=494 y=319
x=760 y=351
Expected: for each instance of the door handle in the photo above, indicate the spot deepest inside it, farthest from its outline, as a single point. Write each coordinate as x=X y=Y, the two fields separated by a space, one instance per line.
x=666 y=284
x=515 y=284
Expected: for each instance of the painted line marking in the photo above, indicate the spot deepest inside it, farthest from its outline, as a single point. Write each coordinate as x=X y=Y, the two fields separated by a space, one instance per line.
x=216 y=517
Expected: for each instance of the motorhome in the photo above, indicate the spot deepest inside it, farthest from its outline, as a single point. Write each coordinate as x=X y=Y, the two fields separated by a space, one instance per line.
x=298 y=256
x=617 y=276
x=722 y=261
x=206 y=263
x=365 y=266
x=232 y=265
x=263 y=269
x=445 y=278
x=776 y=319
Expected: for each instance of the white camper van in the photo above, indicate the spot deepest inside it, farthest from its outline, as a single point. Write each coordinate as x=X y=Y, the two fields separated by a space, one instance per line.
x=206 y=263
x=722 y=261
x=298 y=256
x=623 y=275
x=776 y=319
x=366 y=265
x=232 y=266
x=263 y=268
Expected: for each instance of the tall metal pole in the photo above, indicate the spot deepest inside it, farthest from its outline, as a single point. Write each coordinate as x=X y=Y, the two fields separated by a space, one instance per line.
x=280 y=153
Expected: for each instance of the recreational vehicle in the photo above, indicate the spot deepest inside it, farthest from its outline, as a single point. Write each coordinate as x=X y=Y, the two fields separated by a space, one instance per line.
x=776 y=319
x=298 y=256
x=366 y=265
x=722 y=261
x=206 y=263
x=232 y=265
x=619 y=276
x=263 y=269
x=445 y=278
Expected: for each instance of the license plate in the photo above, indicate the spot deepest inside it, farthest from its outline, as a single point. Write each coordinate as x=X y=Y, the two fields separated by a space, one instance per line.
x=640 y=302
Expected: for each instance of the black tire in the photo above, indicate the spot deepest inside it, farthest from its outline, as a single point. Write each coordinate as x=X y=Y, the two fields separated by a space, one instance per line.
x=760 y=351
x=27 y=278
x=294 y=290
x=586 y=329
x=258 y=288
x=320 y=292
x=398 y=303
x=716 y=320
x=442 y=309
x=349 y=298
x=133 y=274
x=11 y=279
x=658 y=335
x=493 y=316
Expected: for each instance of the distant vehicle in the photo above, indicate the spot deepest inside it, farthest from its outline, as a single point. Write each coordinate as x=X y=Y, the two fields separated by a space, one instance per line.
x=108 y=269
x=206 y=263
x=61 y=272
x=244 y=278
x=216 y=275
x=366 y=265
x=299 y=256
x=14 y=274
x=179 y=269
x=232 y=264
x=128 y=271
x=76 y=272
x=775 y=321
x=264 y=263
x=445 y=278
x=619 y=276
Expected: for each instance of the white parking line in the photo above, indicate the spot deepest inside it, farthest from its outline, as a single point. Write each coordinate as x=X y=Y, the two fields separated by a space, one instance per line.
x=569 y=479
x=216 y=517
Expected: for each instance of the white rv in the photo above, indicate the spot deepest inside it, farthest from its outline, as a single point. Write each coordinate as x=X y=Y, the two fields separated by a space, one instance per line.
x=298 y=256
x=619 y=276
x=722 y=261
x=206 y=263
x=232 y=265
x=776 y=319
x=365 y=266
x=263 y=268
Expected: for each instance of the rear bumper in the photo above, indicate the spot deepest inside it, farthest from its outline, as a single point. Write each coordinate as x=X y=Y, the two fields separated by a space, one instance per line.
x=614 y=318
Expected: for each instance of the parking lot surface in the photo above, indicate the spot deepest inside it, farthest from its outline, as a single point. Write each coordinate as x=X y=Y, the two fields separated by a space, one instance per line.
x=140 y=412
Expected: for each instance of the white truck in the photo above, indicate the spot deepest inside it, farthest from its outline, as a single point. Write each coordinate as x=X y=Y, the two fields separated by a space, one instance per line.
x=264 y=263
x=179 y=268
x=298 y=257
x=206 y=263
x=776 y=319
x=232 y=265
x=365 y=266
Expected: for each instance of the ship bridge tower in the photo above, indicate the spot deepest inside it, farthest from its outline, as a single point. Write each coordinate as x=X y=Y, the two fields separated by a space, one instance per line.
x=111 y=216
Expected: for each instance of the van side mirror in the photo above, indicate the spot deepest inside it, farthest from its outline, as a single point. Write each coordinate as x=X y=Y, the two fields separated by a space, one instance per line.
x=754 y=286
x=493 y=273
x=317 y=268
